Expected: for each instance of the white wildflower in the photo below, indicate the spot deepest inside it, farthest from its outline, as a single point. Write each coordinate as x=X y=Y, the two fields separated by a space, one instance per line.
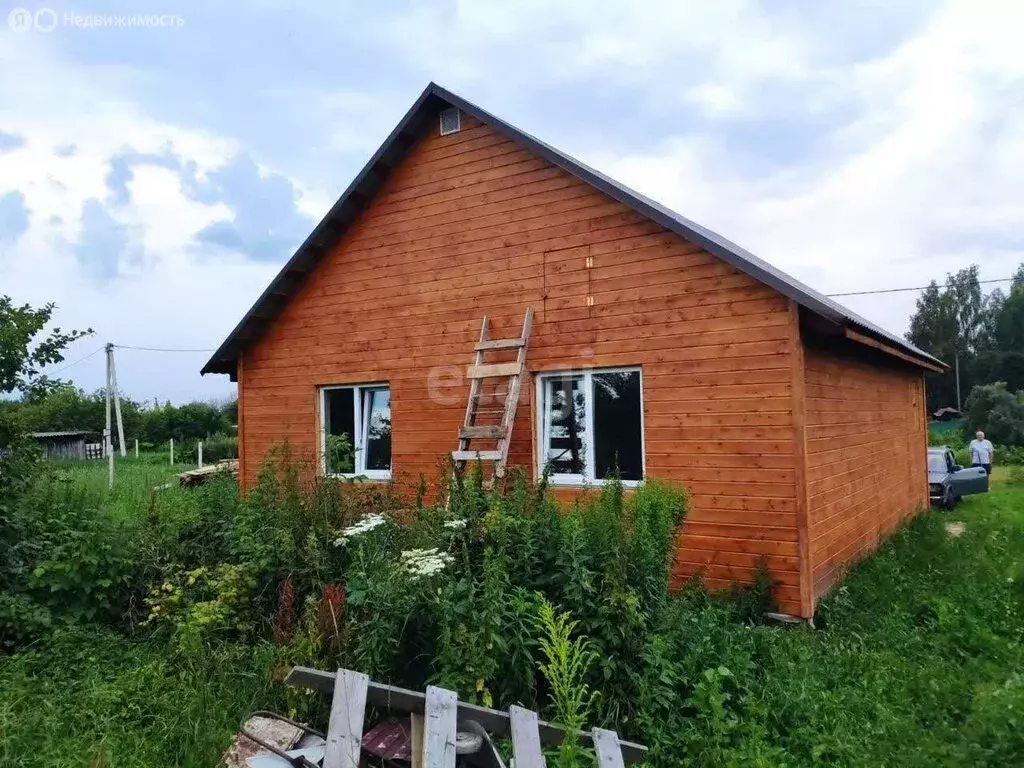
x=360 y=526
x=425 y=562
x=455 y=525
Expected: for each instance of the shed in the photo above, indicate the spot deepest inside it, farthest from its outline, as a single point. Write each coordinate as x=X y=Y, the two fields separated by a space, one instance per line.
x=68 y=444
x=688 y=358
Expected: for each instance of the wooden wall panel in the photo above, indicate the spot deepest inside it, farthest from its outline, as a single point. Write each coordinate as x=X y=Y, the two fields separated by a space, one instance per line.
x=470 y=224
x=865 y=463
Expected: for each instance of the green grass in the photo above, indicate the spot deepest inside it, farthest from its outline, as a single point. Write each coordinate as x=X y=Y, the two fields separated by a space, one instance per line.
x=89 y=697
x=917 y=660
x=134 y=481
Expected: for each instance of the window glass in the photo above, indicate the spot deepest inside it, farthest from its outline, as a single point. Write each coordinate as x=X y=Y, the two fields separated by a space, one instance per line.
x=591 y=422
x=377 y=428
x=937 y=462
x=340 y=419
x=567 y=425
x=617 y=435
x=362 y=416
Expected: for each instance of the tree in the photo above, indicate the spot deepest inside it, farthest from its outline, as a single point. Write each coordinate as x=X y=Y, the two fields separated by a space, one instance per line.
x=998 y=412
x=22 y=354
x=933 y=326
x=935 y=329
x=961 y=326
x=67 y=407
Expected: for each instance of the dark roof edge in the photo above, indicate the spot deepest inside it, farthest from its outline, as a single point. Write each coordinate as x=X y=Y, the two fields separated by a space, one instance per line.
x=225 y=358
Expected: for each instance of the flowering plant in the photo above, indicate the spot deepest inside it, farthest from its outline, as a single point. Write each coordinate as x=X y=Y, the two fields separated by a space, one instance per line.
x=363 y=525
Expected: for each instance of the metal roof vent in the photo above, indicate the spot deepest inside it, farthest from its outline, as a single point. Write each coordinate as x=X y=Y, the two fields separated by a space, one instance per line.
x=451 y=121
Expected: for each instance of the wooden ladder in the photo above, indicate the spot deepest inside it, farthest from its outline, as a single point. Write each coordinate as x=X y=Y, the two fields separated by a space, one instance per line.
x=500 y=433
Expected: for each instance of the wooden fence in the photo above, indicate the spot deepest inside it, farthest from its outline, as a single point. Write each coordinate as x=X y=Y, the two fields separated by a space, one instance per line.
x=437 y=716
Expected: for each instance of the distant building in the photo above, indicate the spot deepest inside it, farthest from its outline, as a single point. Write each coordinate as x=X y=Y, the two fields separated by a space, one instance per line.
x=70 y=444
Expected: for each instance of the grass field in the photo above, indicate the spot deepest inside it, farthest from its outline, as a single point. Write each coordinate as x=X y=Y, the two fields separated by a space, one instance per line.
x=918 y=660
x=134 y=480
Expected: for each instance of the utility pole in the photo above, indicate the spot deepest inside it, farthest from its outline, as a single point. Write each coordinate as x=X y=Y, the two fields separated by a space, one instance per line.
x=959 y=407
x=117 y=400
x=108 y=448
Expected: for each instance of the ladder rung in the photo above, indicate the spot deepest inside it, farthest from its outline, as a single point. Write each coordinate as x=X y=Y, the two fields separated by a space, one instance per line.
x=472 y=433
x=482 y=346
x=487 y=370
x=474 y=455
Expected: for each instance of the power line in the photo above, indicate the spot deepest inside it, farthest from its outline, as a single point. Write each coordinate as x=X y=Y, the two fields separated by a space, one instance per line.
x=79 y=360
x=917 y=288
x=161 y=349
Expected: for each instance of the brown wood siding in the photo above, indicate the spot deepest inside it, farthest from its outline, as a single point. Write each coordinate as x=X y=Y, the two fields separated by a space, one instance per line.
x=470 y=224
x=866 y=463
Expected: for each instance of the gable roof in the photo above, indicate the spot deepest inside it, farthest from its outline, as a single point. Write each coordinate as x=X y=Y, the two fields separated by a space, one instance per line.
x=424 y=112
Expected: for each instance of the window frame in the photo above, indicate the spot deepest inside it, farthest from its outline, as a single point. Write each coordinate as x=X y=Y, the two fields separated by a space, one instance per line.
x=590 y=461
x=359 y=419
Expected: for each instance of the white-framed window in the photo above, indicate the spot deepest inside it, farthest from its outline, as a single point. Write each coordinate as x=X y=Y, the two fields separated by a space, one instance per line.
x=361 y=416
x=591 y=422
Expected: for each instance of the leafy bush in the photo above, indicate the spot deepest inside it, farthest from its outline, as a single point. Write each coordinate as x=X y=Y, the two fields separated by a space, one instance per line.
x=66 y=554
x=22 y=620
x=215 y=448
x=565 y=667
x=998 y=412
x=1010 y=454
x=204 y=602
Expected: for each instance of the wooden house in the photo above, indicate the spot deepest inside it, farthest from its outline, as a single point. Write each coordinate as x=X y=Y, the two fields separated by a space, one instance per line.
x=798 y=426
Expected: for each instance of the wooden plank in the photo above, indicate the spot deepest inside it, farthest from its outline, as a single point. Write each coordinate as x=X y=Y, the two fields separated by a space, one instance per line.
x=416 y=741
x=439 y=724
x=398 y=699
x=891 y=350
x=514 y=388
x=482 y=433
x=606 y=745
x=526 y=748
x=800 y=463
x=345 y=728
x=499 y=344
x=474 y=455
x=488 y=370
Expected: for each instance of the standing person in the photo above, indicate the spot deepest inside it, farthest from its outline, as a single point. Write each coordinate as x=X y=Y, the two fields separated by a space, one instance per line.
x=982 y=452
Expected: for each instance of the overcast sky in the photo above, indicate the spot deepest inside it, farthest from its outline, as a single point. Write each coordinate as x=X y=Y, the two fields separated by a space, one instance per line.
x=153 y=180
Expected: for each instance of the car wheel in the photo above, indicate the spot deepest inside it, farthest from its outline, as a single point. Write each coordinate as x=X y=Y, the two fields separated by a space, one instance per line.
x=948 y=498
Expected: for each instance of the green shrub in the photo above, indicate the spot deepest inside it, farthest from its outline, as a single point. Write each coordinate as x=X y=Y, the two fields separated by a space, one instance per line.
x=66 y=554
x=996 y=411
x=204 y=603
x=220 y=447
x=1010 y=454
x=21 y=621
x=566 y=667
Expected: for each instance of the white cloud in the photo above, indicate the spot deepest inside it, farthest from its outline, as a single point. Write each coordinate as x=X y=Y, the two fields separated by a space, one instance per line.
x=926 y=179
x=918 y=162
x=166 y=293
